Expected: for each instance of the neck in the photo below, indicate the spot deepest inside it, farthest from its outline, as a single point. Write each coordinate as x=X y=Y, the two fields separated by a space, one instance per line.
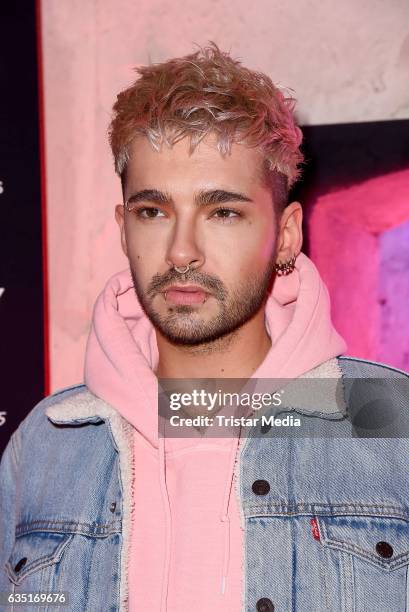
x=236 y=355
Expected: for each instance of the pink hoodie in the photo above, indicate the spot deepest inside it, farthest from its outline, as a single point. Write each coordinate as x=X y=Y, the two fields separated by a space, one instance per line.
x=187 y=537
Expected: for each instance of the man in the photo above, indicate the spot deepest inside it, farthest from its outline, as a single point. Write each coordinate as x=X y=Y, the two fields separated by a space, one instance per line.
x=95 y=504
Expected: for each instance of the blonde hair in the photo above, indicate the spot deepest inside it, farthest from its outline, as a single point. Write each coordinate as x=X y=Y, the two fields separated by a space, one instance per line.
x=210 y=92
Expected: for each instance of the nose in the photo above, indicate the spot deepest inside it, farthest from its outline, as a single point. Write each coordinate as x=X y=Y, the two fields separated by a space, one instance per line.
x=183 y=248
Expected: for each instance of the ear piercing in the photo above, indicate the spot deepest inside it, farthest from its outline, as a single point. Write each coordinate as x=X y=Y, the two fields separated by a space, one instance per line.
x=287 y=267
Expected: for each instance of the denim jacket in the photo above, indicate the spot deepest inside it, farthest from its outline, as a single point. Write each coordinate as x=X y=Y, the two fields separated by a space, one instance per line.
x=325 y=515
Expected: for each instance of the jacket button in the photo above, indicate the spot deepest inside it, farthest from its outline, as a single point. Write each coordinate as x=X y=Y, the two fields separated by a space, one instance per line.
x=112 y=506
x=384 y=549
x=265 y=605
x=260 y=487
x=265 y=428
x=20 y=564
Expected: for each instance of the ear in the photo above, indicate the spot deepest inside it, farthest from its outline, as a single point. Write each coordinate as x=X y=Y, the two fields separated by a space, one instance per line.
x=290 y=236
x=120 y=219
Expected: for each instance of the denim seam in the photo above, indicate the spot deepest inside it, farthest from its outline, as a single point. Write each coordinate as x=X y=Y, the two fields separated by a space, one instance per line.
x=116 y=581
x=342 y=379
x=353 y=590
x=314 y=504
x=347 y=583
x=98 y=536
x=327 y=588
x=13 y=447
x=293 y=575
x=51 y=522
x=375 y=363
x=25 y=530
x=407 y=590
x=66 y=389
x=87 y=589
x=122 y=434
x=268 y=511
x=61 y=575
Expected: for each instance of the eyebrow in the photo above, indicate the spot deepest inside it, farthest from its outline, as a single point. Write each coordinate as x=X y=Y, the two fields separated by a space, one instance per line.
x=201 y=198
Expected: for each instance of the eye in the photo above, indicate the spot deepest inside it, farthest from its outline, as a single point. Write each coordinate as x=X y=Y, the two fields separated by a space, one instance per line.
x=150 y=210
x=227 y=216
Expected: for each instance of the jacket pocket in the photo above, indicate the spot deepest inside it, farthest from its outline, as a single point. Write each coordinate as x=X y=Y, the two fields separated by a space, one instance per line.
x=32 y=554
x=372 y=554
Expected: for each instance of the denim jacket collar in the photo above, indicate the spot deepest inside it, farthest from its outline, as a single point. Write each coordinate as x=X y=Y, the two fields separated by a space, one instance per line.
x=92 y=409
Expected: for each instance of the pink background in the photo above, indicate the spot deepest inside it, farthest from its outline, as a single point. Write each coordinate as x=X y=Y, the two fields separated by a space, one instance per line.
x=347 y=62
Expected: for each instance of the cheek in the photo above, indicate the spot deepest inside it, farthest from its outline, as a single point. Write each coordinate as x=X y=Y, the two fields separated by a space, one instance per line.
x=266 y=248
x=137 y=261
x=136 y=247
x=255 y=251
x=135 y=255
x=144 y=244
x=245 y=262
x=267 y=238
x=145 y=260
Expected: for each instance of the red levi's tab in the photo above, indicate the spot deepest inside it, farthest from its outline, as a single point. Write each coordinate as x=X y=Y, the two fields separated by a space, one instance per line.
x=315 y=530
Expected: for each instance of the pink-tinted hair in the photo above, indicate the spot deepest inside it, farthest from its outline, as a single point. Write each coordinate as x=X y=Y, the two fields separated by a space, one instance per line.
x=209 y=92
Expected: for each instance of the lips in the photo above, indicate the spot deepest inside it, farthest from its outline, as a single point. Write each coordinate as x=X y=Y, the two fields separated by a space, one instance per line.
x=185 y=294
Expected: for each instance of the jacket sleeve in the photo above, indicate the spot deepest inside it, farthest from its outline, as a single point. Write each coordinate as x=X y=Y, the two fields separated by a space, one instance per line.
x=8 y=504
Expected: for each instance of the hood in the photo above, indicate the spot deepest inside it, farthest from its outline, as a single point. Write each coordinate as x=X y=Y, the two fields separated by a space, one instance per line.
x=122 y=355
x=122 y=352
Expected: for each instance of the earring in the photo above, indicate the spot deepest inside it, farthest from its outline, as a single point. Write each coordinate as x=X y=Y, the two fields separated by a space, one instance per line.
x=287 y=267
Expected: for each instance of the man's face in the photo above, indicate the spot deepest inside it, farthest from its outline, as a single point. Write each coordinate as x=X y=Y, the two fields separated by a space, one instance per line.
x=231 y=251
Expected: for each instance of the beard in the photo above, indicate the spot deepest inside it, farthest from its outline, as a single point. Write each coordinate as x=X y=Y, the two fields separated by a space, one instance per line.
x=183 y=325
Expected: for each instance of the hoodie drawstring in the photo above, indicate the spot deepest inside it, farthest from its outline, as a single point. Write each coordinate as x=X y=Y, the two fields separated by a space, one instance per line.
x=225 y=519
x=168 y=522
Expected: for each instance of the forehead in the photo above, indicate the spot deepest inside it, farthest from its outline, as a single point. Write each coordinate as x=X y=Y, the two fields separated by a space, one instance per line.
x=175 y=167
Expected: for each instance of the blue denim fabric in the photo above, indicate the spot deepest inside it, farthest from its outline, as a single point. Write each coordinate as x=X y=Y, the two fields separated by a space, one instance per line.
x=57 y=484
x=357 y=492
x=61 y=509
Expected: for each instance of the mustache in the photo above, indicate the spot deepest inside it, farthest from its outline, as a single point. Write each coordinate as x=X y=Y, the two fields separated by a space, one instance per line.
x=160 y=281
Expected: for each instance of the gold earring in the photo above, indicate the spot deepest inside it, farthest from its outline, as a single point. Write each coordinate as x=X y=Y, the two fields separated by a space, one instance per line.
x=287 y=267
